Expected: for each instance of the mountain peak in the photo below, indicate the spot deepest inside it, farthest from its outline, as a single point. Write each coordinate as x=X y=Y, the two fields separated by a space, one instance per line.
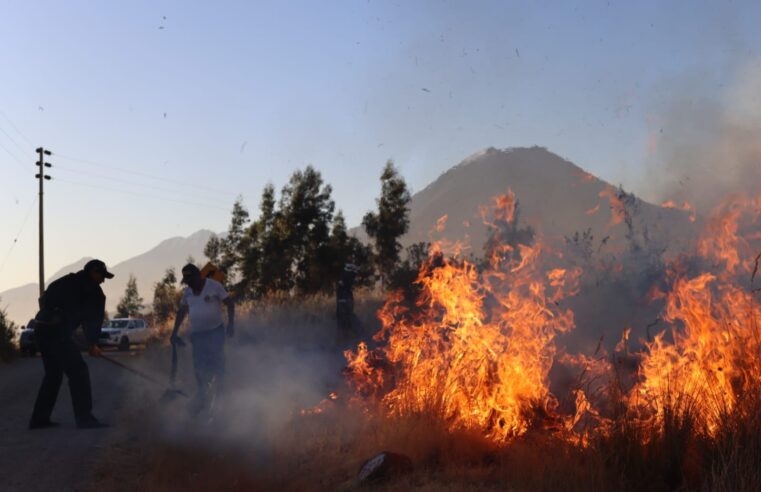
x=556 y=196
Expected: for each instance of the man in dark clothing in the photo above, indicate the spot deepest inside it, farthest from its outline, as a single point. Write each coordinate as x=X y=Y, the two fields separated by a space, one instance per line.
x=70 y=302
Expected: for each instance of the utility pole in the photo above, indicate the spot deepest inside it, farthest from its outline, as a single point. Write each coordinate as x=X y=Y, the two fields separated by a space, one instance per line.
x=42 y=177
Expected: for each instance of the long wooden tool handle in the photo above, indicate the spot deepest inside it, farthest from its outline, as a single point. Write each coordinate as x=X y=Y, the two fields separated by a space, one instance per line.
x=130 y=369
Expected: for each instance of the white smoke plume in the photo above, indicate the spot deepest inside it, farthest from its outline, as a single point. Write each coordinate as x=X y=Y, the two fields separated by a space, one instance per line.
x=704 y=147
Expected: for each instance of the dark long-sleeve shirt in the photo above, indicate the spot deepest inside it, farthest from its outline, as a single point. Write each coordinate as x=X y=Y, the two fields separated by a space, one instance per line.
x=72 y=301
x=344 y=288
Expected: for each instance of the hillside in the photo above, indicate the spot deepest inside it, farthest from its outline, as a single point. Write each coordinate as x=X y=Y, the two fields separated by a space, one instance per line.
x=556 y=197
x=148 y=267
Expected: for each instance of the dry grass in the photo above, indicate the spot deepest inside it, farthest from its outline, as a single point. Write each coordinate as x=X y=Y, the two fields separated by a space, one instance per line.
x=324 y=451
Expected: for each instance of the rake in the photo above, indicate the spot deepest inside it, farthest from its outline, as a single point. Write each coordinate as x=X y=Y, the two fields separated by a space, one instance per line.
x=168 y=392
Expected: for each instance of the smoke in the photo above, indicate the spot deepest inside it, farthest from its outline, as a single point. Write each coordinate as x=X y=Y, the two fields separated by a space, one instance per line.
x=268 y=386
x=704 y=147
x=283 y=359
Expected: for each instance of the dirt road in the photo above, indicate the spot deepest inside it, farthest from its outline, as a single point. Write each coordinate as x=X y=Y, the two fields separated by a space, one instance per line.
x=55 y=459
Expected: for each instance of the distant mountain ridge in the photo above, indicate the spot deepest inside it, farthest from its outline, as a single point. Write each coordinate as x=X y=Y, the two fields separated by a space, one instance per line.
x=148 y=268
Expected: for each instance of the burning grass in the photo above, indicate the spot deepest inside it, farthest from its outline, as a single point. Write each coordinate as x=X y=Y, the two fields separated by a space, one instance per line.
x=483 y=366
x=463 y=376
x=475 y=369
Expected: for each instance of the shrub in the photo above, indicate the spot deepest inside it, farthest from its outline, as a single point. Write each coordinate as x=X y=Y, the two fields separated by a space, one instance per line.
x=8 y=347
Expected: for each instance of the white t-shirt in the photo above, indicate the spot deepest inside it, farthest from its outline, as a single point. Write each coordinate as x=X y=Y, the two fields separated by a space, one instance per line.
x=205 y=309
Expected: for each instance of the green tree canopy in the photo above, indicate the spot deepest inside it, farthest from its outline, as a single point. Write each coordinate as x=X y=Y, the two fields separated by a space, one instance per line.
x=213 y=249
x=296 y=245
x=225 y=252
x=166 y=297
x=390 y=222
x=131 y=303
x=7 y=337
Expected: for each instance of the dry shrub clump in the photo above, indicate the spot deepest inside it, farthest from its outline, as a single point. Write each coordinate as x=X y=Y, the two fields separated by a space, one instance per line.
x=736 y=450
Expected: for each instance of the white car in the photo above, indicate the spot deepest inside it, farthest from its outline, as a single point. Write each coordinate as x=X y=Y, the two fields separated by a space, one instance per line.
x=123 y=332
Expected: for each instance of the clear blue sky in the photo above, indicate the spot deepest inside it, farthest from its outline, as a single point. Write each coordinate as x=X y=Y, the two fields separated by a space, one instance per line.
x=228 y=96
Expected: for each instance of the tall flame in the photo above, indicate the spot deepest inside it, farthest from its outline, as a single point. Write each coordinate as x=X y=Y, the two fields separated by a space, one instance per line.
x=476 y=348
x=472 y=344
x=711 y=356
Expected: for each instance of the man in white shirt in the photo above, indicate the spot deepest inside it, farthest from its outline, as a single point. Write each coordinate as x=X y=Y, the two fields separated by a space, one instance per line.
x=202 y=301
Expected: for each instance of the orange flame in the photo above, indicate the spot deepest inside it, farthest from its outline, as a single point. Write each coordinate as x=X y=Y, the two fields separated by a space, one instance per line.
x=584 y=176
x=441 y=223
x=720 y=241
x=684 y=207
x=474 y=345
x=713 y=355
x=476 y=348
x=617 y=208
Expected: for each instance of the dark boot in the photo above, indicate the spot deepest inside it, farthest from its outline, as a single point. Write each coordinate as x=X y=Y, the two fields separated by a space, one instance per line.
x=90 y=422
x=42 y=424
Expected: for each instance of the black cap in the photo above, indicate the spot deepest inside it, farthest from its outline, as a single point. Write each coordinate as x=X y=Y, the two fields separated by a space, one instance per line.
x=189 y=271
x=98 y=266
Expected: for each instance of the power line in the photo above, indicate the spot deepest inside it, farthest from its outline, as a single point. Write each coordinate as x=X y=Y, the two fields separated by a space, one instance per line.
x=18 y=161
x=165 y=199
x=216 y=200
x=15 y=239
x=101 y=165
x=15 y=158
x=14 y=141
x=16 y=128
x=146 y=175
